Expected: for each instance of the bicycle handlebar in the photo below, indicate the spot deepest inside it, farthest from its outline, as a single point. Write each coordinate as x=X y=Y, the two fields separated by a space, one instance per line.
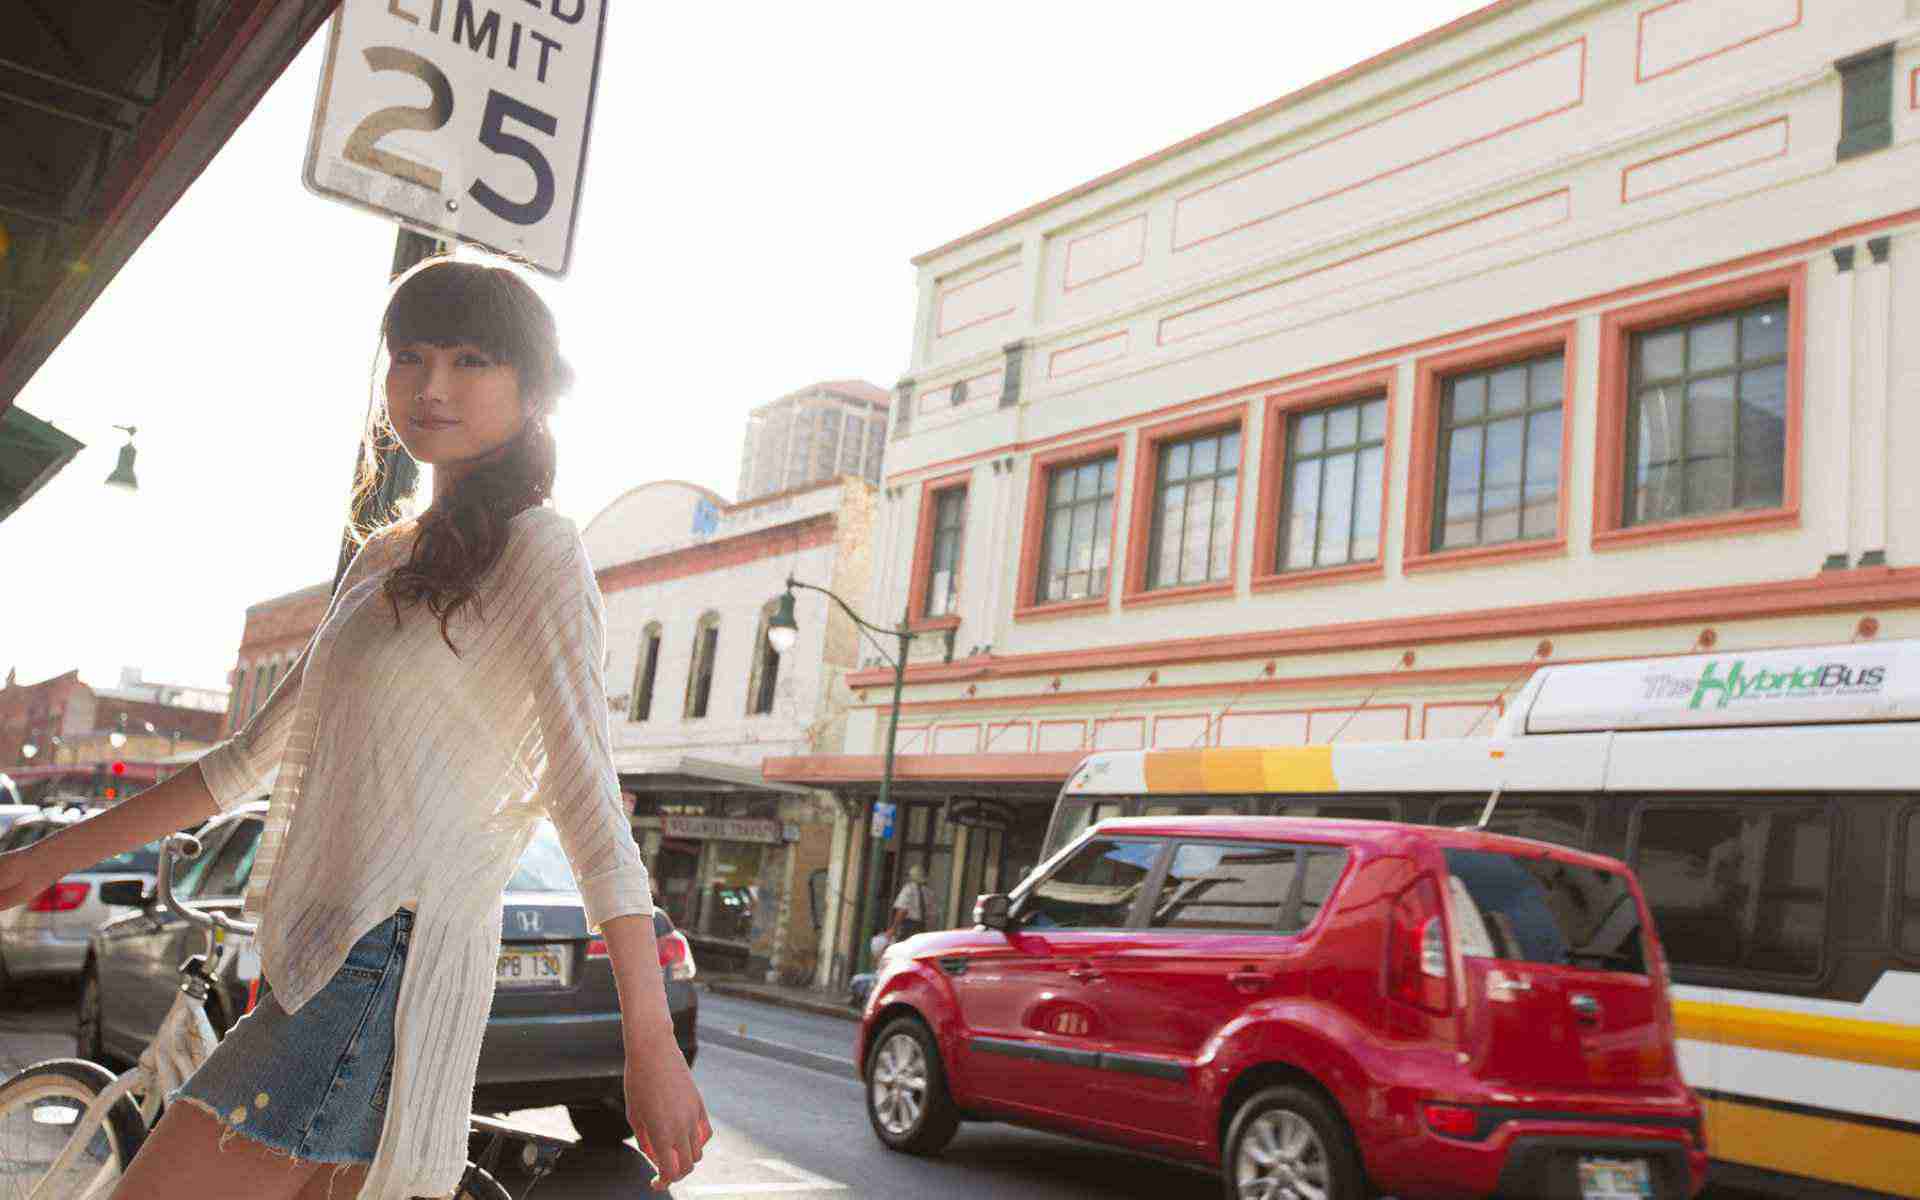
x=187 y=847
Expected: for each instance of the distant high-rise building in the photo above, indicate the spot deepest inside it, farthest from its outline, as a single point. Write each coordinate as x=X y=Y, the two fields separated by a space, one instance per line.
x=815 y=434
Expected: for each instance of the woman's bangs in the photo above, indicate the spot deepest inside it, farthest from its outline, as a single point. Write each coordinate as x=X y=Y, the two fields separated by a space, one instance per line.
x=455 y=302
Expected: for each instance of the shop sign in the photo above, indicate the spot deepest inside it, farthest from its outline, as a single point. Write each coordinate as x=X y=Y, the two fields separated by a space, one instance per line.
x=980 y=814
x=467 y=120
x=721 y=829
x=883 y=819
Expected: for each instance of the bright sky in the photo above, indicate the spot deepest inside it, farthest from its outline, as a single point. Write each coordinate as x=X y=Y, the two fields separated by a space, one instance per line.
x=760 y=176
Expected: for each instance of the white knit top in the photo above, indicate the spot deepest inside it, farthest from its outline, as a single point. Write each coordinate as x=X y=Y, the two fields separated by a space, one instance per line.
x=408 y=774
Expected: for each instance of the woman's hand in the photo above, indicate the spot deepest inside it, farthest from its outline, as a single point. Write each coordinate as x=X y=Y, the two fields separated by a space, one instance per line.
x=22 y=878
x=664 y=1107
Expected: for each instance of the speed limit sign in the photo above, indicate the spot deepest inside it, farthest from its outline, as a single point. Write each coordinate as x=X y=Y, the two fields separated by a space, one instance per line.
x=465 y=119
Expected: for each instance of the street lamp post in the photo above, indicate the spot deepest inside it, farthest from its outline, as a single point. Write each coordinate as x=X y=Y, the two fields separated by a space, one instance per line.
x=783 y=631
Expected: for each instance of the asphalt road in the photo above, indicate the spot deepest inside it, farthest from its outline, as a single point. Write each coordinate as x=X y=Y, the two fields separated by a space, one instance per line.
x=788 y=1122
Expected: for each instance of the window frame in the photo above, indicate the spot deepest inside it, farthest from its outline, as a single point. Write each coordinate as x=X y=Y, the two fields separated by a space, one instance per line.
x=1290 y=906
x=763 y=674
x=921 y=584
x=1040 y=469
x=1432 y=374
x=646 y=673
x=706 y=649
x=1144 y=505
x=1617 y=329
x=1148 y=883
x=1747 y=804
x=1277 y=411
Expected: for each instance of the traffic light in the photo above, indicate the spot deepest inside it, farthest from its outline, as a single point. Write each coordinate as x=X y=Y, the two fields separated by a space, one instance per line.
x=112 y=790
x=118 y=768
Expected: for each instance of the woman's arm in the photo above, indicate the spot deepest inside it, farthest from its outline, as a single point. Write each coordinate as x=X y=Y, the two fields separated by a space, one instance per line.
x=663 y=1105
x=183 y=800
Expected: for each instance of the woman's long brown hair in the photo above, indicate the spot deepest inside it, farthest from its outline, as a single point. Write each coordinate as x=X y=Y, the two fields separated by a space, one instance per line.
x=444 y=302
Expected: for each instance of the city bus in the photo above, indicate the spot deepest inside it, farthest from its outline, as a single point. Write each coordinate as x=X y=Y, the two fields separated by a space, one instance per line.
x=1770 y=803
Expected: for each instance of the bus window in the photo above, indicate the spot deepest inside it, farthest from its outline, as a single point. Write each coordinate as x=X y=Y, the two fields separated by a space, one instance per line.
x=1344 y=810
x=1908 y=916
x=1074 y=817
x=1200 y=808
x=1742 y=889
x=1563 y=822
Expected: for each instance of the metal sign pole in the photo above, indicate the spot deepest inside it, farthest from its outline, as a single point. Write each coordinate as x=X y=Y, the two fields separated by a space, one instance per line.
x=395 y=471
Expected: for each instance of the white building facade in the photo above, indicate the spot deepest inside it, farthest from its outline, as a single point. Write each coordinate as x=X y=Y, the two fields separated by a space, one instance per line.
x=1567 y=331
x=747 y=869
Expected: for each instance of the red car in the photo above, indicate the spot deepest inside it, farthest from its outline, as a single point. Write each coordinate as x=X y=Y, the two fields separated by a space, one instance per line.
x=1318 y=1009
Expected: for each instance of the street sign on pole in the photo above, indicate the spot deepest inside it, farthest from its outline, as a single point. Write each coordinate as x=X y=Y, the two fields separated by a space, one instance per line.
x=465 y=119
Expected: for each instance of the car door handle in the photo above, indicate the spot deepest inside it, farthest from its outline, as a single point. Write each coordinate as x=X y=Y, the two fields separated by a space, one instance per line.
x=1249 y=979
x=1085 y=972
x=1586 y=1009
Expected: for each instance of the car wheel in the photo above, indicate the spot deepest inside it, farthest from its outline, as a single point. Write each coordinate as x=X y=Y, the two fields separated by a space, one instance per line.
x=907 y=1099
x=1286 y=1143
x=599 y=1124
x=88 y=1039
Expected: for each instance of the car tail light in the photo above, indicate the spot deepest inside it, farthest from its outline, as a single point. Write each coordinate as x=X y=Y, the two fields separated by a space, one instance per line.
x=61 y=897
x=1452 y=1120
x=676 y=956
x=1417 y=959
x=597 y=948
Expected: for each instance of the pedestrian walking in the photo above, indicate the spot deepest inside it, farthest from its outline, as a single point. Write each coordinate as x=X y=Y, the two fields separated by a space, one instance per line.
x=451 y=698
x=913 y=907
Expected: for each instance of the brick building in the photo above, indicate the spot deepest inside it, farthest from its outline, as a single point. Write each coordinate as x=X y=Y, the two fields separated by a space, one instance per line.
x=70 y=726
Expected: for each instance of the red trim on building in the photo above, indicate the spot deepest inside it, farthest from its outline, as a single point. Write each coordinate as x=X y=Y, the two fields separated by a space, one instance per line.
x=826 y=769
x=1146 y=472
x=1273 y=477
x=790 y=538
x=930 y=493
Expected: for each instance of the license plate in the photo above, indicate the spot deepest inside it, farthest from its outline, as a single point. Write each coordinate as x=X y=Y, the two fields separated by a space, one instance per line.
x=1615 y=1179
x=535 y=967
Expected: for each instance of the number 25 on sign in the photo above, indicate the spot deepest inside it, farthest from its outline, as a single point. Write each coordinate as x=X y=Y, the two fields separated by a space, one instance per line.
x=466 y=119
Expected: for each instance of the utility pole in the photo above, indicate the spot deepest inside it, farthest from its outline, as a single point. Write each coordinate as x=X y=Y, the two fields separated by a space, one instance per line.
x=396 y=473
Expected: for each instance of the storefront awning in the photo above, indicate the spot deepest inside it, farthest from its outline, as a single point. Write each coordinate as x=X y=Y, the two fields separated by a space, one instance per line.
x=31 y=452
x=112 y=109
x=669 y=772
x=1035 y=775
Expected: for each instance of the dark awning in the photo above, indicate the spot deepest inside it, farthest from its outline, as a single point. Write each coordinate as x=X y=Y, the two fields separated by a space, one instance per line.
x=31 y=451
x=109 y=110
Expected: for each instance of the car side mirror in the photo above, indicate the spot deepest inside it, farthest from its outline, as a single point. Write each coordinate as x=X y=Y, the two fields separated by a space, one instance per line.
x=994 y=910
x=126 y=893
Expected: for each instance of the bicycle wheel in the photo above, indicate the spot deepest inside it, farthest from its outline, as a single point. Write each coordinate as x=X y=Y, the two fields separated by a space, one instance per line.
x=39 y=1109
x=478 y=1185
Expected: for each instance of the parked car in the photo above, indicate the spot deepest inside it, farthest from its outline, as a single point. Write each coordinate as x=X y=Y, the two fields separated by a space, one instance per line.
x=1311 y=1007
x=553 y=1036
x=48 y=936
x=11 y=813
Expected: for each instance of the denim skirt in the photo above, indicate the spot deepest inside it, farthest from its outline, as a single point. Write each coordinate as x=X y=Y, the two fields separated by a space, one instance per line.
x=313 y=1084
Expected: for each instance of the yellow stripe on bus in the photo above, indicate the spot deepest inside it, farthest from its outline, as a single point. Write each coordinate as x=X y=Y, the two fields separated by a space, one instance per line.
x=1874 y=1042
x=1863 y=1156
x=1230 y=771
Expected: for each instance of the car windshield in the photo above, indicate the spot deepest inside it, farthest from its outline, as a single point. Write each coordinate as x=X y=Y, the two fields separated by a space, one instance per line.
x=144 y=859
x=543 y=865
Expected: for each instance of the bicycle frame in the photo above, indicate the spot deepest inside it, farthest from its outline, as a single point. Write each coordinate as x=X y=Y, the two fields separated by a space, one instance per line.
x=185 y=1039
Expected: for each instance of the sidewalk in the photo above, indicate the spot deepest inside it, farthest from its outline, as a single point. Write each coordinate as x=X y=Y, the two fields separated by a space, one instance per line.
x=808 y=1000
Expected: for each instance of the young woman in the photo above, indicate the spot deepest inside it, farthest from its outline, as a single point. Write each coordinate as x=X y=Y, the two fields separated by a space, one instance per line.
x=451 y=699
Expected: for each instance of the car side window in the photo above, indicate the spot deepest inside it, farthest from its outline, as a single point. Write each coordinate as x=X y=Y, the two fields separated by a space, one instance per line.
x=1241 y=888
x=227 y=870
x=1095 y=888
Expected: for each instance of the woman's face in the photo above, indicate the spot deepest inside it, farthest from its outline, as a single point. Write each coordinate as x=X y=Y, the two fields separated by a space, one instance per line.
x=454 y=404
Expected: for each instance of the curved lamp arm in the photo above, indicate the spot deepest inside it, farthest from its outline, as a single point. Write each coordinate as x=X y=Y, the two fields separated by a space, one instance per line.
x=902 y=632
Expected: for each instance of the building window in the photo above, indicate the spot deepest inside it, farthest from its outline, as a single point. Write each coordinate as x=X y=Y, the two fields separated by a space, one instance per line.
x=1707 y=416
x=766 y=667
x=646 y=670
x=1077 y=554
x=943 y=562
x=706 y=643
x=1195 y=497
x=259 y=690
x=1332 y=485
x=1498 y=459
